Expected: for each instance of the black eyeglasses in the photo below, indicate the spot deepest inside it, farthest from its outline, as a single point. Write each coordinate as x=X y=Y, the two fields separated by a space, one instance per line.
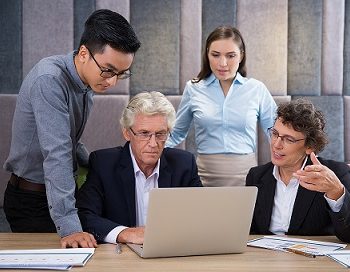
x=146 y=135
x=286 y=139
x=108 y=73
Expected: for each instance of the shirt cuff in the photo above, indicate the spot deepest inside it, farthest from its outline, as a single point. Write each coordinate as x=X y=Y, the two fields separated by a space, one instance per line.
x=68 y=225
x=113 y=234
x=335 y=205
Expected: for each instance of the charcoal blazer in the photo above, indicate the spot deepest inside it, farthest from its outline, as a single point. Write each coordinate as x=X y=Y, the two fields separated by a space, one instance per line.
x=311 y=213
x=107 y=199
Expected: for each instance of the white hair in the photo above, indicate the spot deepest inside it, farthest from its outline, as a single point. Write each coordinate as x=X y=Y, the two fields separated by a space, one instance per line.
x=148 y=103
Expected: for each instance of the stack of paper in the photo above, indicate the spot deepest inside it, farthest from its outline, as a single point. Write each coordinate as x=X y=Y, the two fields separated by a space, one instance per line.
x=341 y=256
x=317 y=248
x=55 y=259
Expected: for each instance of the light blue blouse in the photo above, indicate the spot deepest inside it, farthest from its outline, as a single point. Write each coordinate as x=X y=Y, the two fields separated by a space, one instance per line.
x=224 y=124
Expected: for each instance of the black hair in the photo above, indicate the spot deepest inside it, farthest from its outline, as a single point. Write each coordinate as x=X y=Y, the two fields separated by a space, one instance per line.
x=106 y=27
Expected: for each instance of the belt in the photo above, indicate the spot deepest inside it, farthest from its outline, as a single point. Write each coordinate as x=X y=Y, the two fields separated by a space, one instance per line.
x=24 y=184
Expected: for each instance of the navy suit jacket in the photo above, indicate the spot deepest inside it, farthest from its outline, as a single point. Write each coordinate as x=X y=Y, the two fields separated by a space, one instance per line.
x=311 y=213
x=107 y=198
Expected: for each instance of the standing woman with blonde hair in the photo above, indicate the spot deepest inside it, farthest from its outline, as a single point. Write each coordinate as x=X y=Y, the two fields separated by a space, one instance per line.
x=225 y=107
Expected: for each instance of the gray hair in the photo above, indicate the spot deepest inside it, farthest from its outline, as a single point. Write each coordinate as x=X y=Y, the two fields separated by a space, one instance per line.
x=148 y=103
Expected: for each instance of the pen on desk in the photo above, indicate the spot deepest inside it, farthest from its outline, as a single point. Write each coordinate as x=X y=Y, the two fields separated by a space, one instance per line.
x=118 y=249
x=300 y=252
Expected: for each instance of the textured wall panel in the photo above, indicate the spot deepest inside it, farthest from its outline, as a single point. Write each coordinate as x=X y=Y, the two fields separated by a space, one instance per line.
x=82 y=10
x=346 y=83
x=175 y=100
x=263 y=141
x=332 y=47
x=123 y=8
x=304 y=47
x=157 y=25
x=190 y=40
x=266 y=56
x=347 y=128
x=7 y=109
x=47 y=30
x=333 y=110
x=104 y=120
x=215 y=14
x=11 y=46
x=120 y=6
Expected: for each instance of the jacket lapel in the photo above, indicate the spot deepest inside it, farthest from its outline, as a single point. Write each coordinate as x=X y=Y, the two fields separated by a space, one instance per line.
x=127 y=177
x=265 y=200
x=302 y=204
x=164 y=179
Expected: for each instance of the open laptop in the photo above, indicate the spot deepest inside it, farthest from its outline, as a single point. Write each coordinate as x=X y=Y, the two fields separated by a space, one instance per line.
x=197 y=221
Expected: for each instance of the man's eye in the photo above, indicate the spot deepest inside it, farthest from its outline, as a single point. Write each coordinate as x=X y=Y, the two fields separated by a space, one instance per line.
x=289 y=140
x=144 y=133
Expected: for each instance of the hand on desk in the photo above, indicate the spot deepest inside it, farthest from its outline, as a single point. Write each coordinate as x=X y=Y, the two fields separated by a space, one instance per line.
x=78 y=239
x=317 y=177
x=132 y=235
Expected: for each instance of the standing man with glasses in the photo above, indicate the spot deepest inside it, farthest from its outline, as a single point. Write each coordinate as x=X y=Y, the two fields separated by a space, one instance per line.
x=299 y=193
x=52 y=108
x=113 y=201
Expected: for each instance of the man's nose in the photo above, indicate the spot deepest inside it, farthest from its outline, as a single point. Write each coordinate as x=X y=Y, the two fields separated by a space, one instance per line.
x=153 y=140
x=278 y=142
x=112 y=81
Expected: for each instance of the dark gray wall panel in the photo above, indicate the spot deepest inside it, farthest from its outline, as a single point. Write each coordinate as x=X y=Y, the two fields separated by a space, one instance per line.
x=11 y=46
x=346 y=83
x=157 y=25
x=304 y=47
x=47 y=30
x=82 y=10
x=214 y=15
x=333 y=110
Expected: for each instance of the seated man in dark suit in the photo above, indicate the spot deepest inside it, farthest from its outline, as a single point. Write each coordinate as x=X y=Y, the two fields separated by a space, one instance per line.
x=113 y=201
x=299 y=193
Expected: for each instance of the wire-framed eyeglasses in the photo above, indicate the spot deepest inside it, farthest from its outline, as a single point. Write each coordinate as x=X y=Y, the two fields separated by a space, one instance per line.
x=286 y=139
x=146 y=135
x=109 y=73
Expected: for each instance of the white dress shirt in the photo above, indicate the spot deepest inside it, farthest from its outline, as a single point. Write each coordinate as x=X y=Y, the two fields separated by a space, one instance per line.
x=284 y=202
x=143 y=186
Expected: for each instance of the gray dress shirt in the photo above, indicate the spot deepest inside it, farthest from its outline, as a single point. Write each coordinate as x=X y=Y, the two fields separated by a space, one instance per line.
x=51 y=112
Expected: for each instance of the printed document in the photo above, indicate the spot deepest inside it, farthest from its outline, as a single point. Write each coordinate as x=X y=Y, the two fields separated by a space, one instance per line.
x=57 y=259
x=317 y=248
x=341 y=256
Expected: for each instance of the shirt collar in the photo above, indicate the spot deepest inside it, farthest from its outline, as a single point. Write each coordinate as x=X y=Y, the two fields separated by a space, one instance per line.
x=137 y=168
x=276 y=173
x=69 y=60
x=212 y=78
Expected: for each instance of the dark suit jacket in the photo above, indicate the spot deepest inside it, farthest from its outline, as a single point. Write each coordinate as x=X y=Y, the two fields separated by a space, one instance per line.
x=311 y=213
x=107 y=199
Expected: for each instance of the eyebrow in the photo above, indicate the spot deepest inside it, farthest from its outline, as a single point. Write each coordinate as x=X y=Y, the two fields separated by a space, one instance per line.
x=285 y=135
x=232 y=52
x=115 y=70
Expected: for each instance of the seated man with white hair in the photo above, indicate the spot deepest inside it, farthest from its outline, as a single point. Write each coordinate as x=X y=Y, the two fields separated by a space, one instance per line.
x=113 y=201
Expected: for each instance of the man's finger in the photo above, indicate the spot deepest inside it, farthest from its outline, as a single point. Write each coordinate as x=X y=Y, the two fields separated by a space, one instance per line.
x=314 y=159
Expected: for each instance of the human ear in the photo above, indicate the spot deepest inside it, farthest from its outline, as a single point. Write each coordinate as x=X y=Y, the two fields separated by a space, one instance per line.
x=126 y=134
